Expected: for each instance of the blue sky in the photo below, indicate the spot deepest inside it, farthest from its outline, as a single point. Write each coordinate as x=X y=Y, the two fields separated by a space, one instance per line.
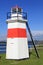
x=34 y=9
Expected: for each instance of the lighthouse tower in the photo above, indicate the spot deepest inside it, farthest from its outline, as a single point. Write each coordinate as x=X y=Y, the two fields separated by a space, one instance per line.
x=17 y=45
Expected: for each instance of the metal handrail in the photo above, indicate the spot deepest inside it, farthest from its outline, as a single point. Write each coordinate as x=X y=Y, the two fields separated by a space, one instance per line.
x=23 y=13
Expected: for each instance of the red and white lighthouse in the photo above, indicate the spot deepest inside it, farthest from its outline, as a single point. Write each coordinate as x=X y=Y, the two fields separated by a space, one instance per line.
x=17 y=45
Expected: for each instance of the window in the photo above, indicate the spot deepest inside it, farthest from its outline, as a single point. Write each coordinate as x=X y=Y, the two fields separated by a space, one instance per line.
x=19 y=9
x=14 y=10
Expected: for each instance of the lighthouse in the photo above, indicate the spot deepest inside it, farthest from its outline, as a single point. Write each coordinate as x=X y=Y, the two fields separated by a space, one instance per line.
x=17 y=44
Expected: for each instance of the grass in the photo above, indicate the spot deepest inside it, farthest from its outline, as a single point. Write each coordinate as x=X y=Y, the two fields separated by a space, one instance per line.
x=33 y=60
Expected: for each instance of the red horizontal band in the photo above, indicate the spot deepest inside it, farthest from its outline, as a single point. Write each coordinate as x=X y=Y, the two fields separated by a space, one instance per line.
x=16 y=32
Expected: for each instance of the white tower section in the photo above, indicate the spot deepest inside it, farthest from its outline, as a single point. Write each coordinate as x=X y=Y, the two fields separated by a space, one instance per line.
x=17 y=44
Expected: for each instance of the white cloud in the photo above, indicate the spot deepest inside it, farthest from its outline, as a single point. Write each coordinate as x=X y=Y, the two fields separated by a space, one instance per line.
x=37 y=35
x=3 y=38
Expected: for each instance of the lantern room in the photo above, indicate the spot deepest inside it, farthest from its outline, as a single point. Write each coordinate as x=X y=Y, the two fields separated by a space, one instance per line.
x=16 y=9
x=16 y=14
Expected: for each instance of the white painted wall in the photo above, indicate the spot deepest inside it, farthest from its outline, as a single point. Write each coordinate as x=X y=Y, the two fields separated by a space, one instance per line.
x=16 y=25
x=17 y=48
